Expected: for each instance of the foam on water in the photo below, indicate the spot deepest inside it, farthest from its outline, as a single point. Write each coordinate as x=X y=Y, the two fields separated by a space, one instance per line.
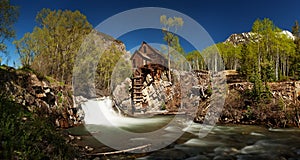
x=101 y=112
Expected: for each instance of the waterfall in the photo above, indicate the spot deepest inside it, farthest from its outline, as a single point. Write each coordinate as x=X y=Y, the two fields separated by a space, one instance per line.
x=117 y=107
x=101 y=112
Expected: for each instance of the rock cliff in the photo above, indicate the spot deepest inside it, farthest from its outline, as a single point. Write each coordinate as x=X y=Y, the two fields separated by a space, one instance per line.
x=38 y=95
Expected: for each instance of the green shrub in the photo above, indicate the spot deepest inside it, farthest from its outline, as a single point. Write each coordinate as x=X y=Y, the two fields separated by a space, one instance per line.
x=163 y=106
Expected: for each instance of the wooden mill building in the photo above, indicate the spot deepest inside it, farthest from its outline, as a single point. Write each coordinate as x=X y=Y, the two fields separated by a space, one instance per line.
x=146 y=60
x=147 y=55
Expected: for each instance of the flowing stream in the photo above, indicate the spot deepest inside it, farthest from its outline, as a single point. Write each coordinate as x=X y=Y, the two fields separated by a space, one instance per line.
x=179 y=139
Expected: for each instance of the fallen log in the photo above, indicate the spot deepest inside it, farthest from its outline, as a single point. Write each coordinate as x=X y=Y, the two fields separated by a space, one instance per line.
x=121 y=151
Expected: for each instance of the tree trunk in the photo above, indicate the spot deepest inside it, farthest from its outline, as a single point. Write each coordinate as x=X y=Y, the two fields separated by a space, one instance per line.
x=197 y=63
x=284 y=66
x=277 y=65
x=287 y=66
x=258 y=58
x=235 y=63
x=169 y=63
x=216 y=63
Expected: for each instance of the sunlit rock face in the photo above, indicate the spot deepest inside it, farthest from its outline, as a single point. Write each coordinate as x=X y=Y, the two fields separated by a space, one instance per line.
x=160 y=95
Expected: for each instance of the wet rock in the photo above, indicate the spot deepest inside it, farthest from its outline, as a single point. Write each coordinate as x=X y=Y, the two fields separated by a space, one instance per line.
x=202 y=143
x=198 y=157
x=80 y=99
x=88 y=148
x=253 y=149
x=225 y=151
x=71 y=137
x=173 y=154
x=260 y=156
x=224 y=157
x=78 y=138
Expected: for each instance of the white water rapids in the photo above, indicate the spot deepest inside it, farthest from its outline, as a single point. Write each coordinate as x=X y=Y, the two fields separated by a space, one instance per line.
x=101 y=112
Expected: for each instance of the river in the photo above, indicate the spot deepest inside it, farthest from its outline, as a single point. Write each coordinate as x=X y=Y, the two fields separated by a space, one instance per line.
x=177 y=137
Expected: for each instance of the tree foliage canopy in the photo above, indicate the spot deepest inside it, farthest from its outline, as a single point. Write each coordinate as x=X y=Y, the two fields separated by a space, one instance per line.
x=269 y=54
x=8 y=16
x=54 y=42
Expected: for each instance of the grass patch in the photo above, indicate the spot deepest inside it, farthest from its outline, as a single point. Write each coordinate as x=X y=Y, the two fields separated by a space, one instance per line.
x=25 y=135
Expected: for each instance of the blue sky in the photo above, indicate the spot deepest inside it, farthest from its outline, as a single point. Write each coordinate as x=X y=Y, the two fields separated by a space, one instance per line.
x=220 y=18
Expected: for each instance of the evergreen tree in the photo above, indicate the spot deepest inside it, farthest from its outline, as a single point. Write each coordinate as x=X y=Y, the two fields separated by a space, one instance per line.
x=248 y=63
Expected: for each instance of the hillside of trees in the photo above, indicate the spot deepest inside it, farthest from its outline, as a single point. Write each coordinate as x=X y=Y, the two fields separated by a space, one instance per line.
x=269 y=54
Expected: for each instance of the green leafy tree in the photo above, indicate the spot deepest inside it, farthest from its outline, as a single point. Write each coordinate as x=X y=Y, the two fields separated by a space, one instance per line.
x=212 y=58
x=106 y=66
x=59 y=35
x=171 y=39
x=264 y=31
x=8 y=16
x=295 y=67
x=248 y=63
x=196 y=60
x=285 y=53
x=25 y=47
x=273 y=48
x=100 y=56
x=230 y=54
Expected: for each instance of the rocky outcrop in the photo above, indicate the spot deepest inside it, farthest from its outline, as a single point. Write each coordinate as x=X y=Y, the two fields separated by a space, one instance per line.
x=161 y=96
x=39 y=95
x=280 y=109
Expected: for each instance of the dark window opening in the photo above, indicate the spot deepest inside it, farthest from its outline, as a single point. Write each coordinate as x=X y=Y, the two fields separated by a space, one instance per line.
x=134 y=65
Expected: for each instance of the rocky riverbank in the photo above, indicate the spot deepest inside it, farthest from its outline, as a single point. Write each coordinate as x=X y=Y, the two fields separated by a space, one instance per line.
x=46 y=97
x=191 y=89
x=41 y=95
x=280 y=108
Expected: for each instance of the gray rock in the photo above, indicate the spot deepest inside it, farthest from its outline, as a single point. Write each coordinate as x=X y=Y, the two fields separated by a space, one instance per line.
x=198 y=157
x=173 y=154
x=253 y=149
x=225 y=151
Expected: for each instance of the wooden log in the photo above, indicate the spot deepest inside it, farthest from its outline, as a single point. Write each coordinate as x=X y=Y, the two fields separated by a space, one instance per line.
x=121 y=151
